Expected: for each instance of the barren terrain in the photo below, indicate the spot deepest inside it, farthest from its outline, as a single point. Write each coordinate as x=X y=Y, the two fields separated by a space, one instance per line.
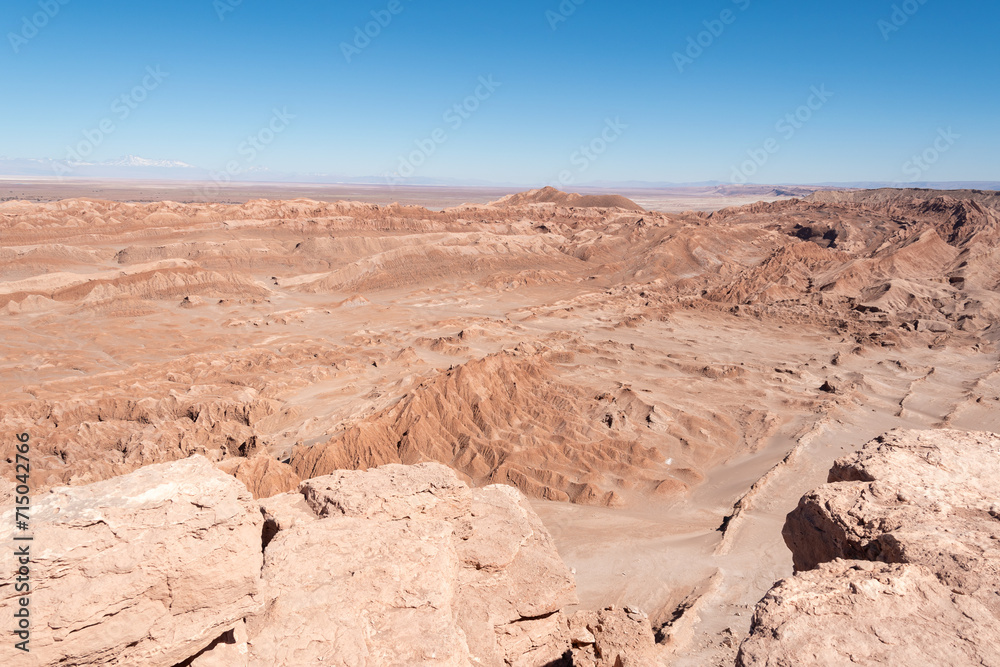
x=663 y=386
x=383 y=192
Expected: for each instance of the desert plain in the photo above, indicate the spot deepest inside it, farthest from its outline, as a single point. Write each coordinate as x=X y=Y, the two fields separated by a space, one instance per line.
x=662 y=378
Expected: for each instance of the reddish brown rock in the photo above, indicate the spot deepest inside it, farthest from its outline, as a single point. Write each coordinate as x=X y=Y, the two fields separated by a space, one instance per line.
x=263 y=475
x=494 y=420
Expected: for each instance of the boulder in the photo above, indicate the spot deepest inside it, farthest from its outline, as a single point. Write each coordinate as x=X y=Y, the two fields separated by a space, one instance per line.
x=144 y=569
x=428 y=571
x=922 y=497
x=897 y=559
x=933 y=326
x=347 y=592
x=175 y=565
x=613 y=637
x=864 y=613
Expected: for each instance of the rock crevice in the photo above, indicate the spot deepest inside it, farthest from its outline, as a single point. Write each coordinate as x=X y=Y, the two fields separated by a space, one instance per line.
x=897 y=559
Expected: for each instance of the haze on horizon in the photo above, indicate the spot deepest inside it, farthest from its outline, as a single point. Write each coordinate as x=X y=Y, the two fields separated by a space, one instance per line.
x=563 y=93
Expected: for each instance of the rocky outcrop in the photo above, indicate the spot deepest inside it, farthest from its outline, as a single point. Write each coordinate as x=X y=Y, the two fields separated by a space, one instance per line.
x=898 y=559
x=263 y=475
x=441 y=575
x=613 y=637
x=928 y=498
x=549 y=195
x=96 y=435
x=176 y=564
x=144 y=569
x=355 y=592
x=864 y=613
x=508 y=419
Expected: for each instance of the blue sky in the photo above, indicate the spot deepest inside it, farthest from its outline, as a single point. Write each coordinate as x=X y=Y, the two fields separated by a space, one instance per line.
x=563 y=75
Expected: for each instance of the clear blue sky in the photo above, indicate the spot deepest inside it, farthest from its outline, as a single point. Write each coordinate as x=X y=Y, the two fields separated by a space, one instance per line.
x=558 y=87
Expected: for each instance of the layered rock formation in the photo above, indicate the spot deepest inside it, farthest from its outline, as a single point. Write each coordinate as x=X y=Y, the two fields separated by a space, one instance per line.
x=264 y=476
x=176 y=564
x=549 y=195
x=898 y=560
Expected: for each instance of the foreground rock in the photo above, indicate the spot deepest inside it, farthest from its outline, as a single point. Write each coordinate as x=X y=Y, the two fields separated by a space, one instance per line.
x=176 y=564
x=898 y=558
x=353 y=592
x=863 y=613
x=613 y=637
x=145 y=569
x=408 y=566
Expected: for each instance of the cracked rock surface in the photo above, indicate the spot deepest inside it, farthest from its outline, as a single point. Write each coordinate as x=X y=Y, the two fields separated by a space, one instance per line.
x=442 y=575
x=898 y=560
x=143 y=569
x=176 y=565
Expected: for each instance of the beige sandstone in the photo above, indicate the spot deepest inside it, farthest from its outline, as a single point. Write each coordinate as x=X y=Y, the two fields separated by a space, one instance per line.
x=864 y=613
x=401 y=565
x=613 y=637
x=899 y=559
x=148 y=568
x=457 y=573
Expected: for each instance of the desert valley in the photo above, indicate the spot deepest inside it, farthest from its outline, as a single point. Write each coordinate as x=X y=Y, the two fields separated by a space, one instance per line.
x=552 y=429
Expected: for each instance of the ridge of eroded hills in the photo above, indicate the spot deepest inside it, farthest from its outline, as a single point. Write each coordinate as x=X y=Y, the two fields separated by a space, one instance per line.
x=419 y=304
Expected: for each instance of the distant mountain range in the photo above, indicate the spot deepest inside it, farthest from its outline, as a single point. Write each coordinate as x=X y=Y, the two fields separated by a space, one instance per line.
x=127 y=166
x=135 y=161
x=927 y=185
x=133 y=167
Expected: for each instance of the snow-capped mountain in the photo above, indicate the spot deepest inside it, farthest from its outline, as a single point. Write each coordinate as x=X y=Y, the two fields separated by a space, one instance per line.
x=135 y=161
x=128 y=166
